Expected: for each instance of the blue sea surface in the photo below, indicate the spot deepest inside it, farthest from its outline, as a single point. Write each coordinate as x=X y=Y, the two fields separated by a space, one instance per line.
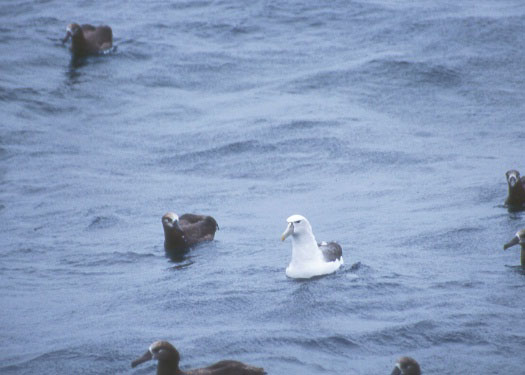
x=388 y=124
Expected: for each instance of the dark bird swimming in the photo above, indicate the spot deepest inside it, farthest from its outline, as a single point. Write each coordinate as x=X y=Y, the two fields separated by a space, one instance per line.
x=188 y=230
x=516 y=197
x=519 y=238
x=168 y=358
x=88 y=40
x=406 y=366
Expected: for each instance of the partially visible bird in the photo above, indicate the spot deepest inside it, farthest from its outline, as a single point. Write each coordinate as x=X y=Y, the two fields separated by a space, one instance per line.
x=88 y=39
x=188 y=230
x=406 y=366
x=519 y=238
x=168 y=358
x=516 y=197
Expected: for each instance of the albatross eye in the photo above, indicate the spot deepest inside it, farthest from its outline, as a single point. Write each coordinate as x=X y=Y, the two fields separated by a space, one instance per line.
x=297 y=222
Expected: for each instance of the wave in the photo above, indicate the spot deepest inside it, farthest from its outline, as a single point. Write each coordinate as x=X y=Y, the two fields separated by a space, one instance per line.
x=386 y=72
x=326 y=344
x=267 y=159
x=103 y=222
x=233 y=148
x=425 y=334
x=94 y=261
x=412 y=73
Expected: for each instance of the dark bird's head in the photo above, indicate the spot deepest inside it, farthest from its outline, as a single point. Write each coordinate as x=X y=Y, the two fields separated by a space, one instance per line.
x=170 y=220
x=513 y=177
x=519 y=238
x=174 y=238
x=406 y=366
x=73 y=30
x=163 y=352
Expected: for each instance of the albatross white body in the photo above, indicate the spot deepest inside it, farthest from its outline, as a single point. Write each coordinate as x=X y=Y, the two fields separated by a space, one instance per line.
x=308 y=258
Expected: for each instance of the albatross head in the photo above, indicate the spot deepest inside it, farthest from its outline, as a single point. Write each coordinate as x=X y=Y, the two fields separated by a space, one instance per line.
x=406 y=366
x=170 y=219
x=297 y=225
x=162 y=351
x=513 y=176
x=170 y=222
x=72 y=30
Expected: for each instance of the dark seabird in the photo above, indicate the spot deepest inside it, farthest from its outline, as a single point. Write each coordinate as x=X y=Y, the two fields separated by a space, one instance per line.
x=519 y=238
x=406 y=366
x=88 y=39
x=310 y=258
x=169 y=358
x=188 y=230
x=516 y=184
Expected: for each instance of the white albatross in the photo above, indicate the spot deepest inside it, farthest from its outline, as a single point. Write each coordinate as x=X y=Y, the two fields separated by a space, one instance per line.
x=309 y=258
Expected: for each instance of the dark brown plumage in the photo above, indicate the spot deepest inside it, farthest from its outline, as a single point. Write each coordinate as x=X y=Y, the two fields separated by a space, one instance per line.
x=519 y=238
x=188 y=230
x=516 y=197
x=169 y=358
x=406 y=366
x=88 y=39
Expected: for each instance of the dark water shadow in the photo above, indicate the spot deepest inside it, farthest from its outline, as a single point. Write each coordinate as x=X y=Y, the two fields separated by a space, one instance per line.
x=514 y=208
x=354 y=267
x=518 y=269
x=182 y=266
x=78 y=62
x=515 y=212
x=184 y=258
x=73 y=72
x=177 y=256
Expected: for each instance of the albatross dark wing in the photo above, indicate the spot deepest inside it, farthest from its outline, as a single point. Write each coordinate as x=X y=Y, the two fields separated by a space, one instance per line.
x=198 y=228
x=99 y=38
x=87 y=27
x=88 y=40
x=332 y=251
x=193 y=218
x=228 y=368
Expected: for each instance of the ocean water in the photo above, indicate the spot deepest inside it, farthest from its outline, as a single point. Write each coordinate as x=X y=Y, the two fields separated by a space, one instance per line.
x=388 y=124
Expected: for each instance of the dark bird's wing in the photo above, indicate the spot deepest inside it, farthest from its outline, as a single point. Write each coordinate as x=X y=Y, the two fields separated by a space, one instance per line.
x=192 y=218
x=332 y=251
x=100 y=37
x=198 y=228
x=87 y=27
x=104 y=37
x=228 y=368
